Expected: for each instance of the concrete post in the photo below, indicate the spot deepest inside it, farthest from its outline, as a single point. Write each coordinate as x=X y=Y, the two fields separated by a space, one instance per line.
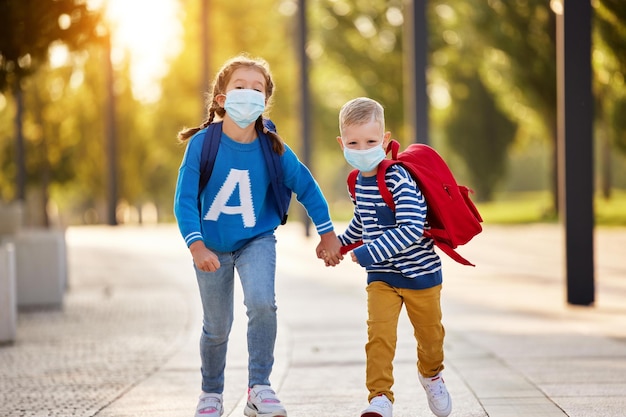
x=41 y=267
x=8 y=305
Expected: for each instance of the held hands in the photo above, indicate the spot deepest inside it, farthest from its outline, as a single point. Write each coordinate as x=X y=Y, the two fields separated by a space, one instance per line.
x=204 y=259
x=324 y=256
x=329 y=249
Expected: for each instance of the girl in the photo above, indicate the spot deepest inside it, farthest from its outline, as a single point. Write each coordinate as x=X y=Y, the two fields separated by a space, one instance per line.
x=230 y=224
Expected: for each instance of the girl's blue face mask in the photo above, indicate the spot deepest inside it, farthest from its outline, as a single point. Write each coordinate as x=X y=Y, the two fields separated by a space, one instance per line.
x=244 y=106
x=365 y=160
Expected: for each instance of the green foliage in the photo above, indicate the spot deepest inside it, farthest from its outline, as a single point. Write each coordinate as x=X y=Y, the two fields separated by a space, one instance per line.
x=497 y=62
x=491 y=81
x=609 y=62
x=609 y=22
x=477 y=130
x=29 y=27
x=357 y=50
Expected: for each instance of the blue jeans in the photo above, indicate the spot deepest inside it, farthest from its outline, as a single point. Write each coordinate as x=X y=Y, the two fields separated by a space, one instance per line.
x=256 y=267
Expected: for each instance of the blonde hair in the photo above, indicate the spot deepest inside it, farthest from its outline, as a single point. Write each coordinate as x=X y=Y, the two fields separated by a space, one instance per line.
x=219 y=87
x=359 y=111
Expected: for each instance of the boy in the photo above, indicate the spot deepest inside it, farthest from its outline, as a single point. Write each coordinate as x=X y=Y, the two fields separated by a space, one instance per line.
x=402 y=266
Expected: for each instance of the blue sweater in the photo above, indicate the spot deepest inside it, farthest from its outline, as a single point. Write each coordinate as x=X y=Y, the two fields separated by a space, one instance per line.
x=394 y=249
x=238 y=204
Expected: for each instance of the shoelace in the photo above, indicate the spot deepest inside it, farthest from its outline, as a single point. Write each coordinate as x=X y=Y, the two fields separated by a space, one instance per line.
x=435 y=387
x=380 y=402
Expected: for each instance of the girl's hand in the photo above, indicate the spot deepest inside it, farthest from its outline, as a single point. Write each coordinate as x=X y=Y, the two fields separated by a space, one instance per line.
x=353 y=256
x=203 y=258
x=329 y=249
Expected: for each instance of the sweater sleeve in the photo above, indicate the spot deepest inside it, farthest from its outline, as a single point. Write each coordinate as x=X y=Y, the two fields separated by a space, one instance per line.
x=308 y=193
x=186 y=208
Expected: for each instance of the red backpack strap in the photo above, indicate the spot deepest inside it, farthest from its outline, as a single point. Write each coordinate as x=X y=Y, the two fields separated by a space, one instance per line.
x=393 y=146
x=382 y=185
x=352 y=182
x=448 y=250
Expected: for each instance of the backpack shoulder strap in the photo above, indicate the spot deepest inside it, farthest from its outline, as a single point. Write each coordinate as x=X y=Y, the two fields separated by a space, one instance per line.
x=393 y=146
x=352 y=182
x=382 y=184
x=210 y=144
x=282 y=194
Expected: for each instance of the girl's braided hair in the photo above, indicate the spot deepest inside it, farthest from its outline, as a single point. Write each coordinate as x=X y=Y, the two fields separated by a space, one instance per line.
x=219 y=86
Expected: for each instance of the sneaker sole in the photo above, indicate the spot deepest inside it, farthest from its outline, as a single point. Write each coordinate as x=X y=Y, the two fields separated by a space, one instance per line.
x=251 y=412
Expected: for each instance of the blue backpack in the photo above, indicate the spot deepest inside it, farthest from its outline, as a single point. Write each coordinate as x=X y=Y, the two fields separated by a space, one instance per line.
x=211 y=142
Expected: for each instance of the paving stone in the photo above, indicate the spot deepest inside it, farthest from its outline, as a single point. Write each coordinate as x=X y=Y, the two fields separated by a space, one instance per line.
x=125 y=342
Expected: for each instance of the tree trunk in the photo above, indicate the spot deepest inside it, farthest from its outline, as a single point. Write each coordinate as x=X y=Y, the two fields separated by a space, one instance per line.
x=606 y=179
x=20 y=157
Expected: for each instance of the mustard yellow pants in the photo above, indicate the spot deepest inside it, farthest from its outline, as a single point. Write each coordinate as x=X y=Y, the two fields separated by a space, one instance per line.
x=384 y=304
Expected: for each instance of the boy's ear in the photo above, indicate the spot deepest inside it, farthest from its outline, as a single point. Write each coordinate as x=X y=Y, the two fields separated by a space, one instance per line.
x=340 y=141
x=386 y=139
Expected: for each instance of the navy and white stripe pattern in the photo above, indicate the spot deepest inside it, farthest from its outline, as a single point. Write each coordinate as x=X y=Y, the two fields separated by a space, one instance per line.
x=393 y=241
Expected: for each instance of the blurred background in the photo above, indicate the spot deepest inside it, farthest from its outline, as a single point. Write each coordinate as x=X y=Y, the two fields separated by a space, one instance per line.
x=93 y=93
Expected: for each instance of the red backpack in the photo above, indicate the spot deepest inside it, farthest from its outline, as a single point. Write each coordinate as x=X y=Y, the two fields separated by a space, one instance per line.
x=452 y=216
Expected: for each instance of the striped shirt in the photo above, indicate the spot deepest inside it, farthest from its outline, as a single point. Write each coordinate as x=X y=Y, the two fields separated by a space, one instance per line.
x=394 y=248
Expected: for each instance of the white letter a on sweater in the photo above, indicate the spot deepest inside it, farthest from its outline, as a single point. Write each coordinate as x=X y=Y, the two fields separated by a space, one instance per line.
x=236 y=178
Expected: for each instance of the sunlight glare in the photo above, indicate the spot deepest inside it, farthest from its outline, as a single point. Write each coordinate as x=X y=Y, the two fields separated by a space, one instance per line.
x=149 y=33
x=58 y=54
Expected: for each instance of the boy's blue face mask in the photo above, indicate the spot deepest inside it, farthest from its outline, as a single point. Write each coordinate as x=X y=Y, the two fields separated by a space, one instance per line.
x=364 y=160
x=244 y=106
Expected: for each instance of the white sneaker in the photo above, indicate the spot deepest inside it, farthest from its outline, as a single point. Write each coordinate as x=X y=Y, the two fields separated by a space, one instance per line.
x=438 y=398
x=262 y=402
x=379 y=407
x=209 y=405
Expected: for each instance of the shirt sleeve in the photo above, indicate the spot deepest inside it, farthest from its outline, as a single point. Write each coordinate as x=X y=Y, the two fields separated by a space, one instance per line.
x=298 y=178
x=354 y=231
x=186 y=208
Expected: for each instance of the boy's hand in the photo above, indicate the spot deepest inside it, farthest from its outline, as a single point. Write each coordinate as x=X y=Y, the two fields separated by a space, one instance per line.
x=353 y=256
x=329 y=249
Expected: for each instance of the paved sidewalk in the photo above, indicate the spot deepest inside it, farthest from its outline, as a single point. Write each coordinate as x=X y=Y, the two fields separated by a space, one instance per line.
x=125 y=342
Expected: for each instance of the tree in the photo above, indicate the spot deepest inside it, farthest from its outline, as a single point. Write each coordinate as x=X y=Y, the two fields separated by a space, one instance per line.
x=519 y=64
x=473 y=123
x=610 y=93
x=27 y=29
x=368 y=60
x=479 y=132
x=355 y=49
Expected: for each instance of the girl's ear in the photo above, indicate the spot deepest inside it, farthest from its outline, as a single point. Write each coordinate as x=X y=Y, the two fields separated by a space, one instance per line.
x=219 y=99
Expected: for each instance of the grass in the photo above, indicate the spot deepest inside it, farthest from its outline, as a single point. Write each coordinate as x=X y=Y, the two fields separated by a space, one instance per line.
x=517 y=208
x=611 y=212
x=520 y=208
x=524 y=208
